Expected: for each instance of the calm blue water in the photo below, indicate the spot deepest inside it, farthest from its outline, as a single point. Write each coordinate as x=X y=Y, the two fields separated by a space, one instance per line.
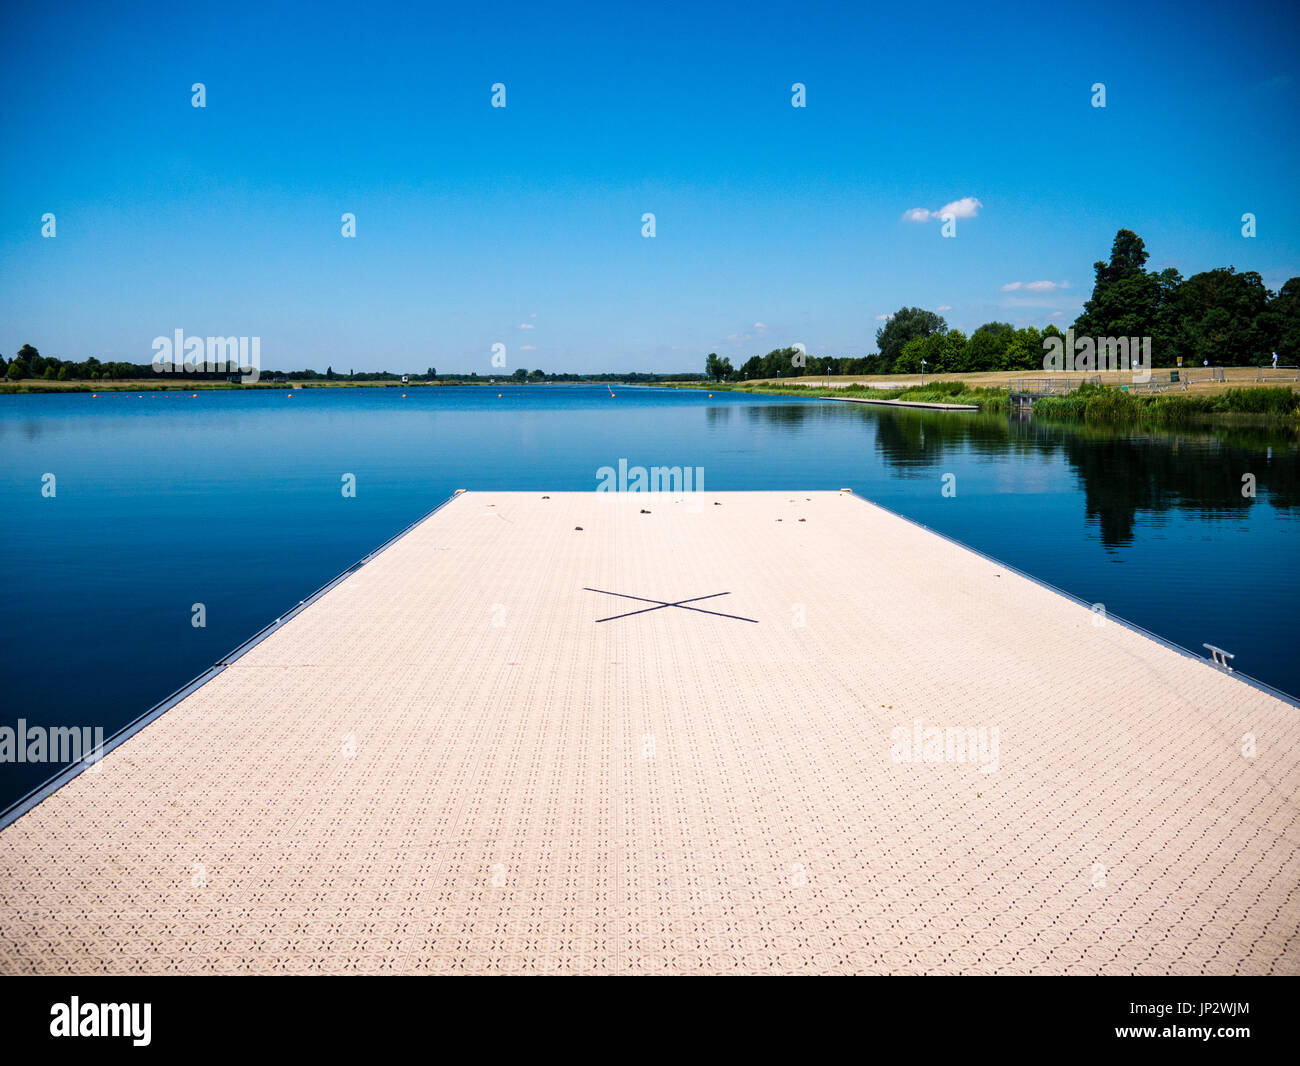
x=233 y=500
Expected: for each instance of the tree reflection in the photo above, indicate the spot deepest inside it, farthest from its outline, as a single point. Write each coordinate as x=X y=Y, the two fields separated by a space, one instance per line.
x=1124 y=471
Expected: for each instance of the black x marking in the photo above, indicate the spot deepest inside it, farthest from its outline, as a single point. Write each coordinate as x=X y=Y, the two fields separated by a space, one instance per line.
x=661 y=604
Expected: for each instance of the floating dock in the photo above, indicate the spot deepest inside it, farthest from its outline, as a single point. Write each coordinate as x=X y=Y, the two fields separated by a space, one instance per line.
x=907 y=403
x=625 y=733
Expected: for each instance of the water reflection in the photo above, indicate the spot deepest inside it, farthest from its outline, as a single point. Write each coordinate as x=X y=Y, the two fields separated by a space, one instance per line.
x=1123 y=471
x=794 y=414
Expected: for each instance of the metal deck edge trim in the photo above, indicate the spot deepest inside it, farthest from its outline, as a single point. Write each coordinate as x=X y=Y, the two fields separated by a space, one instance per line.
x=61 y=777
x=1262 y=686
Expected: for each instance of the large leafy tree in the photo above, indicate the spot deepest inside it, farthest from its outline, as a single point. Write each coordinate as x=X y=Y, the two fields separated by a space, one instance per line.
x=944 y=353
x=1128 y=256
x=1129 y=301
x=988 y=345
x=907 y=324
x=1284 y=310
x=1024 y=350
x=1222 y=317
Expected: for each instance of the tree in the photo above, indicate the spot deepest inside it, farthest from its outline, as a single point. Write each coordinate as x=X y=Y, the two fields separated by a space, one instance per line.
x=1284 y=309
x=63 y=373
x=520 y=375
x=537 y=375
x=16 y=371
x=1224 y=317
x=1127 y=301
x=906 y=324
x=432 y=373
x=943 y=353
x=1128 y=257
x=987 y=348
x=713 y=366
x=1025 y=352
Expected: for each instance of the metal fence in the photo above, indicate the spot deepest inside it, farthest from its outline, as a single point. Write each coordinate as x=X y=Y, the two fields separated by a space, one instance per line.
x=1049 y=386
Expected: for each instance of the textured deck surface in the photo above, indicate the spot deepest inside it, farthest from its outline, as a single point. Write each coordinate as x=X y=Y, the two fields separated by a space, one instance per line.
x=447 y=764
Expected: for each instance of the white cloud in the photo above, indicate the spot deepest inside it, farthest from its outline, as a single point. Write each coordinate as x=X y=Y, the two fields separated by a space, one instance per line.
x=966 y=207
x=760 y=325
x=526 y=325
x=944 y=307
x=1035 y=286
x=529 y=348
x=883 y=318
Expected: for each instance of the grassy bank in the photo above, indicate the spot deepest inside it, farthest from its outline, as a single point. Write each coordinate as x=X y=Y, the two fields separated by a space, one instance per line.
x=1090 y=402
x=1199 y=377
x=1096 y=403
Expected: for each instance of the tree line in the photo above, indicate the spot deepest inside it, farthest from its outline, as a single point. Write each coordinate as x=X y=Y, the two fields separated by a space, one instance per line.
x=28 y=363
x=1220 y=316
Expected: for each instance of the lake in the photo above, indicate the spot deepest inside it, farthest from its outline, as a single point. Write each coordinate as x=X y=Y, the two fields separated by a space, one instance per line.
x=233 y=500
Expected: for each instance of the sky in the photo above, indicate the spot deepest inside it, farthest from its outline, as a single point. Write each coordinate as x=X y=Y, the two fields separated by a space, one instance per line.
x=523 y=225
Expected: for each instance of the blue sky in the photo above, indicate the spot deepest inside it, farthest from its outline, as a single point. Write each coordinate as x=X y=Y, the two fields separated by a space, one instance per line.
x=522 y=225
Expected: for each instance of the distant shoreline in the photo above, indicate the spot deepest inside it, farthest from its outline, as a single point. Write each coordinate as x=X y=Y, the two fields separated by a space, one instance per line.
x=40 y=385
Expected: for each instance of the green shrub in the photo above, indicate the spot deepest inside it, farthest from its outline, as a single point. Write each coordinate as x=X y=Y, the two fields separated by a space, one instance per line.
x=1258 y=401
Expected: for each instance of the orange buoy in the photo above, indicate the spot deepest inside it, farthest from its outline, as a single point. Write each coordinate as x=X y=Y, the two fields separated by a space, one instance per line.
x=498 y=395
